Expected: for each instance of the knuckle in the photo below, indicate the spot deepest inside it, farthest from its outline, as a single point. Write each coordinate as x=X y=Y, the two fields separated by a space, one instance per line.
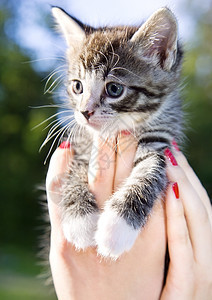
x=183 y=238
x=203 y=215
x=53 y=184
x=182 y=160
x=180 y=175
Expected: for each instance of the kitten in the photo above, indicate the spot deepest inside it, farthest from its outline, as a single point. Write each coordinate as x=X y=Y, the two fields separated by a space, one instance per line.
x=120 y=78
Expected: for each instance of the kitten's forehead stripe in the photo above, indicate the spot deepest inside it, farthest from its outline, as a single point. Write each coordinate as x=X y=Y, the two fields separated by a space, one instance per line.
x=101 y=47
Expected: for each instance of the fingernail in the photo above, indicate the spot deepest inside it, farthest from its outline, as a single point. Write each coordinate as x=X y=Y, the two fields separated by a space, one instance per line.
x=125 y=132
x=175 y=145
x=176 y=190
x=65 y=145
x=170 y=157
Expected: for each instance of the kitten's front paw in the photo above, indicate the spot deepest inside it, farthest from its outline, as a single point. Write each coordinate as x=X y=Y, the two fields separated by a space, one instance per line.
x=80 y=230
x=114 y=236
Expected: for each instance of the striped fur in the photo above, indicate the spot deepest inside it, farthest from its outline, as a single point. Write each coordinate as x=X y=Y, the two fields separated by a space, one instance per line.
x=146 y=62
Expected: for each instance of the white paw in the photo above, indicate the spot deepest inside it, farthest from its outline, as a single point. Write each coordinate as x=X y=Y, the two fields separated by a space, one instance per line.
x=80 y=231
x=114 y=236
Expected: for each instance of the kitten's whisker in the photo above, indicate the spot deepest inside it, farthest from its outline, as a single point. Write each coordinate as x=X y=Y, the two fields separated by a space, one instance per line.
x=47 y=82
x=51 y=124
x=68 y=128
x=63 y=120
x=45 y=59
x=118 y=79
x=52 y=132
x=48 y=138
x=120 y=68
x=54 y=84
x=118 y=58
x=51 y=106
x=111 y=49
x=59 y=122
x=55 y=71
x=57 y=134
x=134 y=131
x=51 y=117
x=72 y=131
x=75 y=128
x=52 y=145
x=100 y=52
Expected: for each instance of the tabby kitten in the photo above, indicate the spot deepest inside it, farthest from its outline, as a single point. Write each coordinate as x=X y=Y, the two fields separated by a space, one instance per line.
x=120 y=78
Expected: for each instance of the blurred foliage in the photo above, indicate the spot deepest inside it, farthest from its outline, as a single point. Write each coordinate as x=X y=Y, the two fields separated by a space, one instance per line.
x=21 y=170
x=22 y=166
x=197 y=71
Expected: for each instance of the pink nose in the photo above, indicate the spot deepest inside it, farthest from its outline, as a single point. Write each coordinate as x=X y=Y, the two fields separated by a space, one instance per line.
x=87 y=114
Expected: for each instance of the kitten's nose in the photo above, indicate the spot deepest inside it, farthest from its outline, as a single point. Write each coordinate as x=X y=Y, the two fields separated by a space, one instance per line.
x=87 y=114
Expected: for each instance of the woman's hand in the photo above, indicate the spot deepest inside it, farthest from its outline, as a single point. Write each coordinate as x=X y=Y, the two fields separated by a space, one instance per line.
x=137 y=274
x=189 y=230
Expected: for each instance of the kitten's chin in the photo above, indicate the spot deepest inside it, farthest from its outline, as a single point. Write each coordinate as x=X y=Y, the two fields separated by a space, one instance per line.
x=108 y=128
x=106 y=132
x=91 y=125
x=94 y=129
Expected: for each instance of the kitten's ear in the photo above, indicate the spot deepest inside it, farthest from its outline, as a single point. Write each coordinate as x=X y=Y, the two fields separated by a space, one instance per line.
x=158 y=37
x=72 y=29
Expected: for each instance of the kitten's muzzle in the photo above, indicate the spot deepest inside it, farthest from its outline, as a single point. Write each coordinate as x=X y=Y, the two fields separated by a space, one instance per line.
x=87 y=114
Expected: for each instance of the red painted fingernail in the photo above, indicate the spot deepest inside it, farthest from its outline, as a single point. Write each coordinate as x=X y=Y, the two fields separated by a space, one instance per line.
x=175 y=145
x=125 y=132
x=170 y=157
x=65 y=145
x=176 y=190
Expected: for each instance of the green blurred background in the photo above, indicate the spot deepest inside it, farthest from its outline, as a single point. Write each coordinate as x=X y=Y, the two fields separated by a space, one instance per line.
x=22 y=166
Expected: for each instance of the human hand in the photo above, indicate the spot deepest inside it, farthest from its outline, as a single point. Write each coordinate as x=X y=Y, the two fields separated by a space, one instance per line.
x=189 y=224
x=82 y=275
x=137 y=274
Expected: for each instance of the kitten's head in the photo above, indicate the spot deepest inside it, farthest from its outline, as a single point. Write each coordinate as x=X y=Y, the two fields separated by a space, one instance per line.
x=120 y=76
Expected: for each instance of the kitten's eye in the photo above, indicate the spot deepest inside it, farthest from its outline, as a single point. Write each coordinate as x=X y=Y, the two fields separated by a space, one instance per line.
x=77 y=87
x=114 y=90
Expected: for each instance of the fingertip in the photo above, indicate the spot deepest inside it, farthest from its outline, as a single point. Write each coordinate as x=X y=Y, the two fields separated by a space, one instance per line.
x=64 y=152
x=65 y=145
x=173 y=203
x=127 y=135
x=179 y=244
x=175 y=189
x=175 y=145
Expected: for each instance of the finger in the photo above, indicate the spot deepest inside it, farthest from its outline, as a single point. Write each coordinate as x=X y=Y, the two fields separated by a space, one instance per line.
x=126 y=149
x=180 y=273
x=195 y=213
x=178 y=236
x=58 y=168
x=101 y=169
x=183 y=163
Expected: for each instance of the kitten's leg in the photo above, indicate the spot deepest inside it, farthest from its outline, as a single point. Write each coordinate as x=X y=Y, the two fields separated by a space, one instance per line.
x=79 y=209
x=127 y=210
